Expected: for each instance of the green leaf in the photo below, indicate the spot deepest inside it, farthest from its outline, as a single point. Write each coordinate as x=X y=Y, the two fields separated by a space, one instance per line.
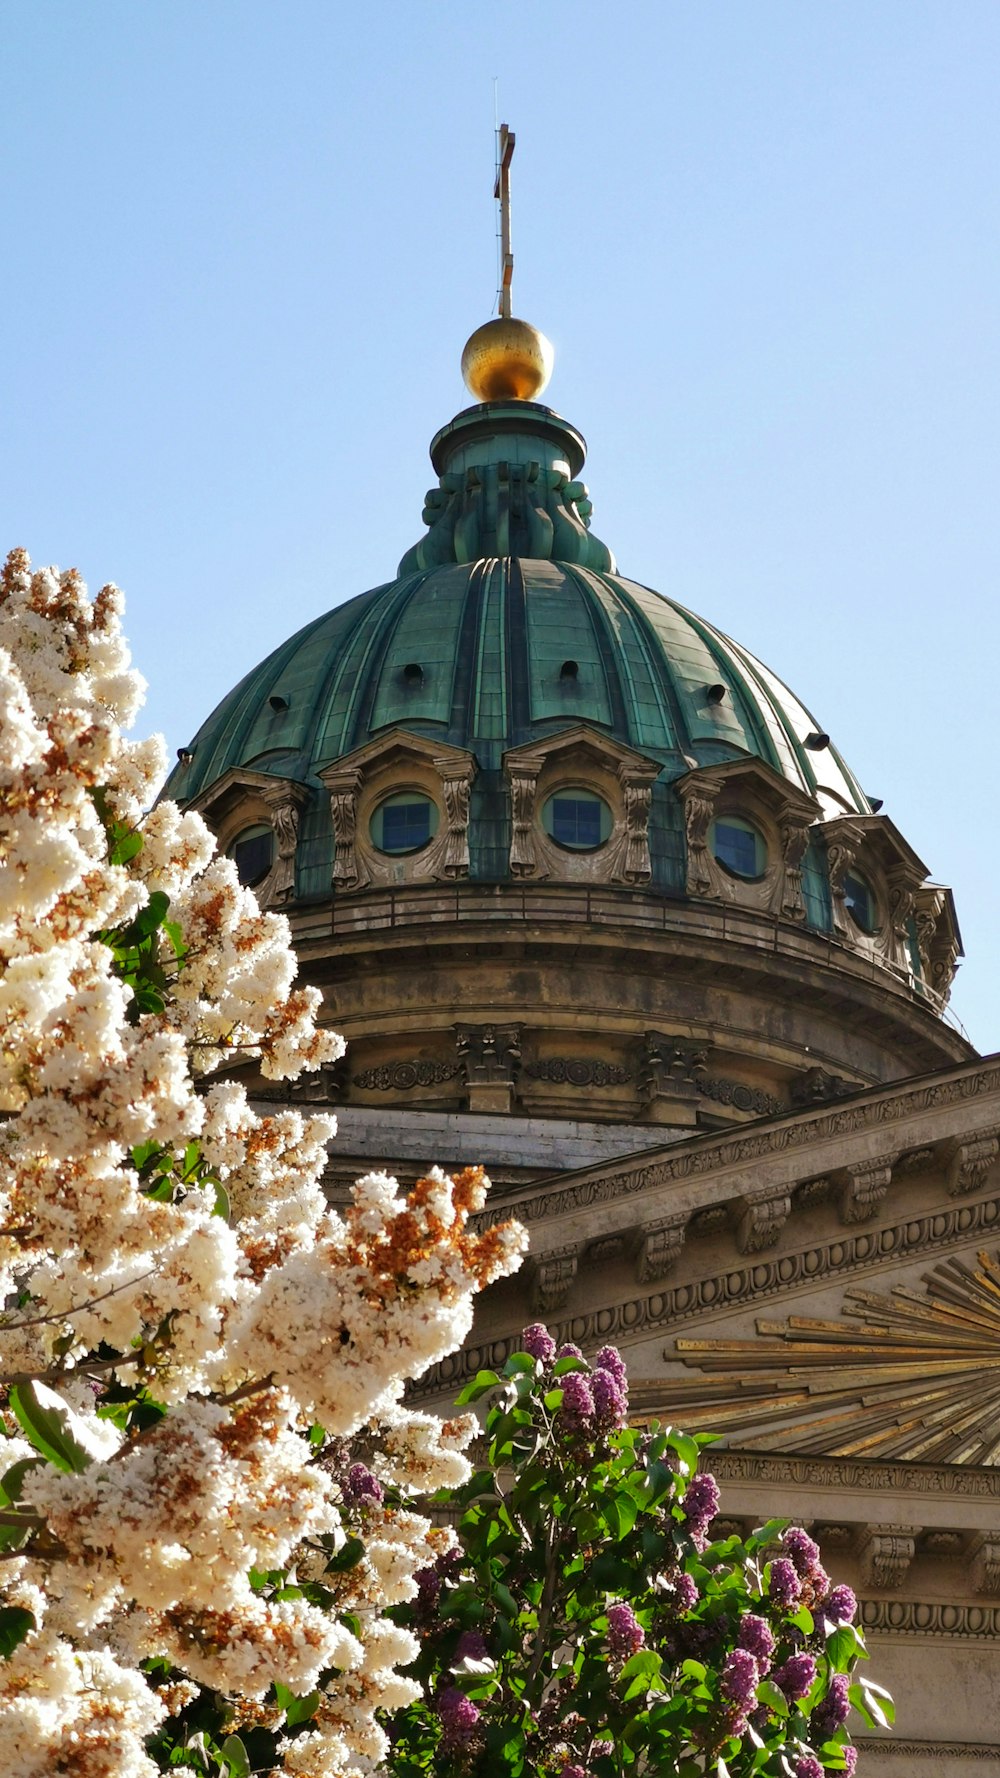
x=12 y=1483
x=50 y=1426
x=621 y=1512
x=297 y=1710
x=563 y=1366
x=480 y=1384
x=519 y=1364
x=842 y=1648
x=222 y=1205
x=347 y=1557
x=772 y=1695
x=15 y=1625
x=234 y=1754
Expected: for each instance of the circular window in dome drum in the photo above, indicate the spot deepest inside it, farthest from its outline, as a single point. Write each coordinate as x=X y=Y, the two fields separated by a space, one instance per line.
x=252 y=852
x=739 y=848
x=860 y=902
x=577 y=819
x=405 y=822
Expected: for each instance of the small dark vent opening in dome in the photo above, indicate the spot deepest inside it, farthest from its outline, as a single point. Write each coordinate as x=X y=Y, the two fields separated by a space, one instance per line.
x=277 y=702
x=569 y=670
x=817 y=741
x=714 y=694
x=413 y=673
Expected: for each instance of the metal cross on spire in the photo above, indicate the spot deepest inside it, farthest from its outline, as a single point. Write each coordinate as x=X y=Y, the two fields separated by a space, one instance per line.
x=501 y=191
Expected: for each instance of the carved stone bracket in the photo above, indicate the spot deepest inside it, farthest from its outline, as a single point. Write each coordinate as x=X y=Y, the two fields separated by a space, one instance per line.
x=658 y=1248
x=795 y=833
x=817 y=1087
x=633 y=862
x=759 y=1219
x=885 y=1553
x=554 y=1277
x=523 y=769
x=842 y=839
x=671 y=1070
x=491 y=1058
x=969 y=1162
x=699 y=810
x=284 y=802
x=348 y=870
x=456 y=786
x=985 y=1561
x=862 y=1189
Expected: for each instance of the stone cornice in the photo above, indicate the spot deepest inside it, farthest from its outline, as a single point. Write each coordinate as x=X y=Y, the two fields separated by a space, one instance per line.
x=877 y=1125
x=752 y=1281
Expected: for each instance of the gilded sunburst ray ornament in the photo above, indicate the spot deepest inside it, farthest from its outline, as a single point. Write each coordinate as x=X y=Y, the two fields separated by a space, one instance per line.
x=912 y=1375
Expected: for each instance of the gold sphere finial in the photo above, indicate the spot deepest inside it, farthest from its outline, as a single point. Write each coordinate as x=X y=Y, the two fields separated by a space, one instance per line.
x=507 y=360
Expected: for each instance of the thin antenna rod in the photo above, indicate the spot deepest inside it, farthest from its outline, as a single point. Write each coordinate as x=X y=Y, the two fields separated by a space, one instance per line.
x=501 y=191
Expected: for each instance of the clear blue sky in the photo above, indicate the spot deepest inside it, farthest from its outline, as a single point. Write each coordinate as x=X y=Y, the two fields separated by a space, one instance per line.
x=245 y=243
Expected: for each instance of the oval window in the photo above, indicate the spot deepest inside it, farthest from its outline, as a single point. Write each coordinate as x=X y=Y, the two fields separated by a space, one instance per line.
x=739 y=848
x=404 y=822
x=859 y=902
x=577 y=819
x=252 y=852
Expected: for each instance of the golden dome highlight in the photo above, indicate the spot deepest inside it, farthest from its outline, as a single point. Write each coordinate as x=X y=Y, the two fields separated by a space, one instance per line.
x=507 y=360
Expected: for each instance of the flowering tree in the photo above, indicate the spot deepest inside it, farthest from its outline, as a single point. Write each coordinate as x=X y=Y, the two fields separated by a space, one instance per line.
x=193 y=1566
x=590 y=1627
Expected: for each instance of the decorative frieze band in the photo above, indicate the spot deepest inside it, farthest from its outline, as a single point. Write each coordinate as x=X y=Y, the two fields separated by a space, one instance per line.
x=911 y=1617
x=891 y=1748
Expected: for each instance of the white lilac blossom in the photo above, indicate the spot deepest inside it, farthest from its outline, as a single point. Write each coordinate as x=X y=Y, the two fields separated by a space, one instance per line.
x=186 y=1328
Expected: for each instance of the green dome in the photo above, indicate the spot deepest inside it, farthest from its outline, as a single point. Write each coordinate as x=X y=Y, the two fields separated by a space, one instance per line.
x=508 y=622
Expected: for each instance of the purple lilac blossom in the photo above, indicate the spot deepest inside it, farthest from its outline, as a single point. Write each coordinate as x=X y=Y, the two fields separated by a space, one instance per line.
x=610 y=1400
x=819 y=1581
x=602 y=1749
x=538 y=1343
x=471 y=1646
x=840 y=1606
x=361 y=1487
x=795 y=1676
x=783 y=1586
x=625 y=1633
x=850 y=1761
x=458 y=1715
x=686 y=1593
x=832 y=1714
x=808 y=1767
x=700 y=1503
x=740 y=1678
x=568 y=1350
x=573 y=1772
x=610 y=1359
x=576 y=1410
x=756 y=1637
x=428 y=1588
x=800 y=1549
